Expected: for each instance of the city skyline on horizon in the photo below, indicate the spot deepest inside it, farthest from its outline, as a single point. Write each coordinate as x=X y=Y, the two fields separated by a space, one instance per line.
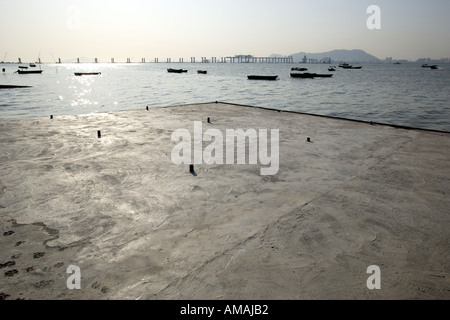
x=136 y=29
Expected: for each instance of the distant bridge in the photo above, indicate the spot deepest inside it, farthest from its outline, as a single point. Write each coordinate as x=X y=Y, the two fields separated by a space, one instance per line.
x=235 y=59
x=252 y=59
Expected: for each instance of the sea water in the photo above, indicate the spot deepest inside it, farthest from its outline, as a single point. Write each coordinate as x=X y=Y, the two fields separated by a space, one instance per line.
x=406 y=94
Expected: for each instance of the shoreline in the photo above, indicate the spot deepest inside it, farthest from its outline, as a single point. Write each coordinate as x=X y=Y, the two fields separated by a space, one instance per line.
x=140 y=227
x=397 y=126
x=328 y=117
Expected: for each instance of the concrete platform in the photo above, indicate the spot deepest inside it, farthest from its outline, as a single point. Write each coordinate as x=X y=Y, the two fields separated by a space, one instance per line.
x=140 y=227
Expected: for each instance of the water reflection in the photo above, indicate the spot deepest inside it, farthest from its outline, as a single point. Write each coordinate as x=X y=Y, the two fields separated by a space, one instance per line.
x=83 y=90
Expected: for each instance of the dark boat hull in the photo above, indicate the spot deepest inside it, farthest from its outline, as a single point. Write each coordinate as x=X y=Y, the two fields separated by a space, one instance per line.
x=10 y=86
x=29 y=71
x=176 y=70
x=87 y=73
x=255 y=77
x=310 y=75
x=299 y=69
x=349 y=66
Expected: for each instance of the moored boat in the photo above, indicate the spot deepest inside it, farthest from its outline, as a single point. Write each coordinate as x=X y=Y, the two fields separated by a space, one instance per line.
x=344 y=66
x=256 y=77
x=299 y=69
x=430 y=66
x=10 y=86
x=28 y=71
x=170 y=70
x=202 y=71
x=310 y=75
x=87 y=73
x=348 y=66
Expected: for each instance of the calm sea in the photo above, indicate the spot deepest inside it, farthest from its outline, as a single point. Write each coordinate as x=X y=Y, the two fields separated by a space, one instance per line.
x=405 y=94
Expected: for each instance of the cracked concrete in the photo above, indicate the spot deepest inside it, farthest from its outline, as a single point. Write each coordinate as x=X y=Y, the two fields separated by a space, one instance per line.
x=140 y=227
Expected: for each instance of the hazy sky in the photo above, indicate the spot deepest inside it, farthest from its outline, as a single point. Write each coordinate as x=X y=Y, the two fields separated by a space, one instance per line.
x=175 y=29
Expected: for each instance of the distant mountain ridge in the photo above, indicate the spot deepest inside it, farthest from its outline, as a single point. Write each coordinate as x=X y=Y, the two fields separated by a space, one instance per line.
x=355 y=55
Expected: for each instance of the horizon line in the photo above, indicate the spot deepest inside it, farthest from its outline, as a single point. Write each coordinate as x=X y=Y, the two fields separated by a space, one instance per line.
x=216 y=59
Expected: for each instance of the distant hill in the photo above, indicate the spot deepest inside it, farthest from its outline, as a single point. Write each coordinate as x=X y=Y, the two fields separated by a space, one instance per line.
x=355 y=55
